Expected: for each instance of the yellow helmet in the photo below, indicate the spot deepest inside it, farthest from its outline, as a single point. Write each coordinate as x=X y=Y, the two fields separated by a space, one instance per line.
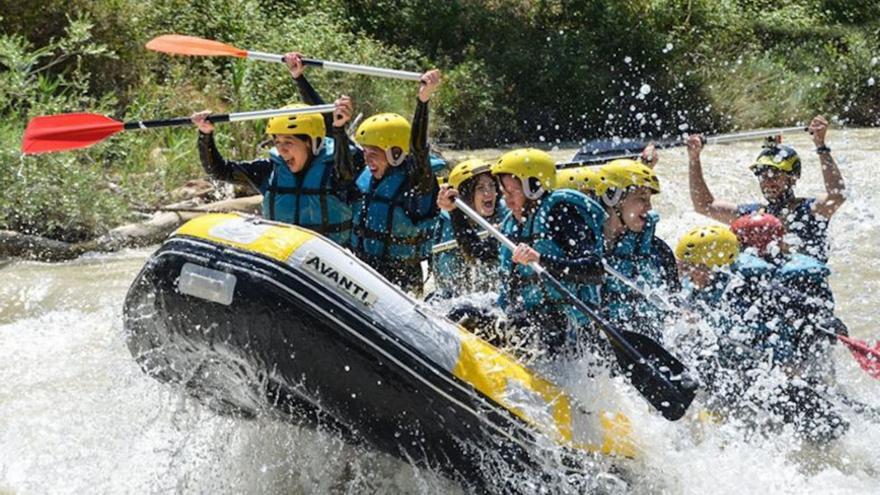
x=467 y=170
x=535 y=169
x=308 y=124
x=712 y=246
x=619 y=175
x=779 y=157
x=583 y=179
x=386 y=131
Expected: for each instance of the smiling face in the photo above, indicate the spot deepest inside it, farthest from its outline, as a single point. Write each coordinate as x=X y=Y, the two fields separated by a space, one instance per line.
x=377 y=161
x=775 y=184
x=514 y=197
x=485 y=195
x=634 y=208
x=293 y=150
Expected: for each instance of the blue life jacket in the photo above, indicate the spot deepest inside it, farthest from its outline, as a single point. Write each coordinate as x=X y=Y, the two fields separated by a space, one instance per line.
x=383 y=230
x=633 y=255
x=532 y=295
x=764 y=309
x=310 y=198
x=448 y=266
x=438 y=164
x=810 y=231
x=801 y=269
x=429 y=226
x=452 y=273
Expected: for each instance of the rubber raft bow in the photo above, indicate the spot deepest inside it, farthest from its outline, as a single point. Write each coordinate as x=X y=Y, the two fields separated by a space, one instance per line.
x=236 y=308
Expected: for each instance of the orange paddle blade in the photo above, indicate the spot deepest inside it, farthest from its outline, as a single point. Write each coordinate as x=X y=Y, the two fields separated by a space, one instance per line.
x=179 y=44
x=67 y=132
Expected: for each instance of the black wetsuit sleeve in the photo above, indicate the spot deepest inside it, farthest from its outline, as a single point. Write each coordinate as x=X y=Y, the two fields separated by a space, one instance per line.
x=310 y=96
x=343 y=163
x=252 y=173
x=668 y=266
x=469 y=243
x=580 y=264
x=421 y=175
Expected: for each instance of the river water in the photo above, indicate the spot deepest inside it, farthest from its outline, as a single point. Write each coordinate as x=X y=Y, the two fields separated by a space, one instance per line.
x=78 y=416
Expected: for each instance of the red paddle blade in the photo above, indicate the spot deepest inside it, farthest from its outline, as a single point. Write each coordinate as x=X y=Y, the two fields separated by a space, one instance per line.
x=178 y=44
x=867 y=357
x=67 y=131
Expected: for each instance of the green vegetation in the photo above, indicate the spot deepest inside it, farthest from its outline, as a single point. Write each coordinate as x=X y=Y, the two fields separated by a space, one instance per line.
x=516 y=70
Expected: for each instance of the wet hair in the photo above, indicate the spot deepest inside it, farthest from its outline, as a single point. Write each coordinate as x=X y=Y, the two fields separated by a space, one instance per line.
x=468 y=188
x=302 y=137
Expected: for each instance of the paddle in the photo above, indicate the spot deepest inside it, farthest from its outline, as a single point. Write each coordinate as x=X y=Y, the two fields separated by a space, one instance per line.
x=79 y=130
x=600 y=151
x=654 y=372
x=868 y=357
x=190 y=45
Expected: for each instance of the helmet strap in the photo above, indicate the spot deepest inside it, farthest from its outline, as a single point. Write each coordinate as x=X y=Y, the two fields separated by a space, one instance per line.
x=317 y=145
x=614 y=198
x=395 y=156
x=532 y=188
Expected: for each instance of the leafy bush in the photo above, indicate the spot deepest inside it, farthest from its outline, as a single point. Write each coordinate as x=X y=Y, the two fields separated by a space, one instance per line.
x=62 y=196
x=515 y=71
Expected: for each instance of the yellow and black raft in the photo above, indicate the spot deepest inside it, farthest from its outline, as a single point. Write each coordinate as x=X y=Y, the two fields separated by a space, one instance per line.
x=247 y=313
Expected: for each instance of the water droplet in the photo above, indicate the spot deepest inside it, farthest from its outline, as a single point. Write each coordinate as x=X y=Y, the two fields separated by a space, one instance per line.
x=871 y=81
x=347 y=368
x=645 y=89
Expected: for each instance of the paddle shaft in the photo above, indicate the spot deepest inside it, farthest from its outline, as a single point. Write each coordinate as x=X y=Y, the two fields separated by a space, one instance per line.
x=228 y=117
x=674 y=143
x=339 y=66
x=612 y=333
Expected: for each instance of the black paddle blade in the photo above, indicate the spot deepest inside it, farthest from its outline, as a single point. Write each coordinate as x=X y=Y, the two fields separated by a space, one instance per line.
x=660 y=377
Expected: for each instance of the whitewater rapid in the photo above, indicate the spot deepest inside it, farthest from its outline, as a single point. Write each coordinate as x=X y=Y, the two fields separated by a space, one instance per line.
x=78 y=416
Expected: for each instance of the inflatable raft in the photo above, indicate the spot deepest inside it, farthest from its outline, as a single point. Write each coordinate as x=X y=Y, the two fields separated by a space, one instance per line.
x=244 y=312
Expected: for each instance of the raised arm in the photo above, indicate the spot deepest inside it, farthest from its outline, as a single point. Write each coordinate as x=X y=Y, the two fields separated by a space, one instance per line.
x=250 y=173
x=422 y=176
x=827 y=204
x=306 y=91
x=701 y=197
x=343 y=161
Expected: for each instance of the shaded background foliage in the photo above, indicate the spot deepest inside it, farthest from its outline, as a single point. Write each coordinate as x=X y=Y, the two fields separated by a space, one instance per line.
x=515 y=71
